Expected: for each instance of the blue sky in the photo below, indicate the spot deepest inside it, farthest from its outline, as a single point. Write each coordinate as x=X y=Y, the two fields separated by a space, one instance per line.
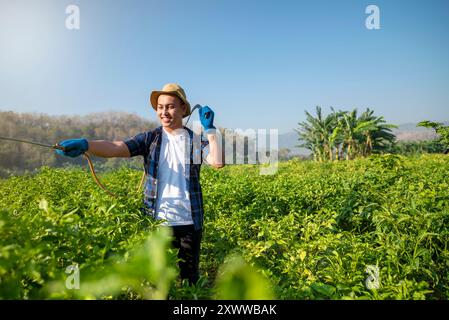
x=258 y=64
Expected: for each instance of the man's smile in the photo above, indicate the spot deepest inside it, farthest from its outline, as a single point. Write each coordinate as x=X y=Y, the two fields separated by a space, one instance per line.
x=166 y=119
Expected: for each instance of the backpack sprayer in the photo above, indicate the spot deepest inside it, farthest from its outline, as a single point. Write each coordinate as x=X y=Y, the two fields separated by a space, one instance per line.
x=86 y=156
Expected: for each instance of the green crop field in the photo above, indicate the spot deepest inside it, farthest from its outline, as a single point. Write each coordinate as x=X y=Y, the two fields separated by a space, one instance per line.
x=311 y=231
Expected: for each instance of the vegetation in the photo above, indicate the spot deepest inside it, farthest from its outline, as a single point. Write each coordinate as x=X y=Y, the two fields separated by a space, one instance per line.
x=344 y=135
x=415 y=147
x=440 y=129
x=19 y=158
x=312 y=231
x=340 y=135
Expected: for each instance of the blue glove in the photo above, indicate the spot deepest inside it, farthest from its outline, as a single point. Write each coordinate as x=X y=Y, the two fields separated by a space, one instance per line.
x=73 y=147
x=207 y=118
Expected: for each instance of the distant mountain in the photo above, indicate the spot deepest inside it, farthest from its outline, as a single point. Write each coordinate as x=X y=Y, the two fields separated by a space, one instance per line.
x=290 y=140
x=410 y=132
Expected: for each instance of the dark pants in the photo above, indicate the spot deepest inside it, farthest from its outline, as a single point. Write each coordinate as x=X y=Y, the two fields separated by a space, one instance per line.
x=188 y=241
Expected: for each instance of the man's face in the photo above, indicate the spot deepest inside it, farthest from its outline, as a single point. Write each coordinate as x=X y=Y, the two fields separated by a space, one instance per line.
x=170 y=111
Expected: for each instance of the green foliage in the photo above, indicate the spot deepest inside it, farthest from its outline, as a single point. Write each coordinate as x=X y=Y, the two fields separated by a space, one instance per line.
x=239 y=281
x=144 y=271
x=313 y=228
x=60 y=218
x=416 y=147
x=343 y=134
x=440 y=129
x=308 y=232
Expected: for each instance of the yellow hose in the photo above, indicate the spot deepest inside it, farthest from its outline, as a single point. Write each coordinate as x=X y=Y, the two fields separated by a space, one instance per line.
x=94 y=175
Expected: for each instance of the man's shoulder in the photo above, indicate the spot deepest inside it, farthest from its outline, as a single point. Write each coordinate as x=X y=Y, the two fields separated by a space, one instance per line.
x=138 y=144
x=149 y=134
x=154 y=130
x=144 y=137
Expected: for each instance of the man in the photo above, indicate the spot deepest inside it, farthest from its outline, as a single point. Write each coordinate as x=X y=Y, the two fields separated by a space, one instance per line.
x=172 y=189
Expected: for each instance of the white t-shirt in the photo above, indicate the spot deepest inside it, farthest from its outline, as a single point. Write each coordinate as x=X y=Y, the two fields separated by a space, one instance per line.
x=173 y=200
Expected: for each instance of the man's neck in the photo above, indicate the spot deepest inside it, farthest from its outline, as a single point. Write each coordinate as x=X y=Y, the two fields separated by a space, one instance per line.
x=172 y=130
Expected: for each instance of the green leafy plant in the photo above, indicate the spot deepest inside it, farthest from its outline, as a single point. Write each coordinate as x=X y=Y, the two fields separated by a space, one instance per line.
x=440 y=129
x=308 y=232
x=240 y=281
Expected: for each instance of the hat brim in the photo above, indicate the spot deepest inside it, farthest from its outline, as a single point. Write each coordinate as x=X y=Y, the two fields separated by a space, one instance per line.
x=155 y=95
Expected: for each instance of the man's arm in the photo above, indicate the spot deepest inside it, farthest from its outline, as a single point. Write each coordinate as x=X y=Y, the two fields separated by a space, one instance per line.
x=215 y=156
x=131 y=147
x=108 y=149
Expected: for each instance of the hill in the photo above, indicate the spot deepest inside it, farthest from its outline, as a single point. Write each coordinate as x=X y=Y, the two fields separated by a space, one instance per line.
x=19 y=157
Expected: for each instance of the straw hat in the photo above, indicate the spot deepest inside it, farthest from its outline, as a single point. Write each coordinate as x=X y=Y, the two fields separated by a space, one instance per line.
x=172 y=89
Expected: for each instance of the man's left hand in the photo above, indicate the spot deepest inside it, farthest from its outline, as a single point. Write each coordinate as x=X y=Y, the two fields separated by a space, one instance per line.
x=207 y=118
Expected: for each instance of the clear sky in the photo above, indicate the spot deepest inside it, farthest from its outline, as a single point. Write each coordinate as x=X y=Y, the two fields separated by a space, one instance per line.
x=257 y=63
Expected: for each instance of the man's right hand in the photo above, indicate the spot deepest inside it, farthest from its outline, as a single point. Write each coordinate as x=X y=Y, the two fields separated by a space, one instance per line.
x=73 y=147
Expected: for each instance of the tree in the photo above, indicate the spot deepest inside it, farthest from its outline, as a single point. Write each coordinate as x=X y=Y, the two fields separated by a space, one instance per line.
x=440 y=129
x=284 y=154
x=344 y=134
x=316 y=134
x=378 y=134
